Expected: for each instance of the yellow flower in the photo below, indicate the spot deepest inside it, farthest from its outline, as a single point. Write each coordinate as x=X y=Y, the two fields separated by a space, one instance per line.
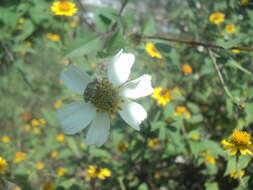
x=3 y=165
x=234 y=174
x=36 y=131
x=103 y=173
x=186 y=69
x=54 y=154
x=93 y=171
x=230 y=28
x=53 y=37
x=40 y=165
x=152 y=51
x=27 y=127
x=122 y=147
x=161 y=95
x=210 y=160
x=61 y=172
x=60 y=138
x=73 y=24
x=42 y=121
x=239 y=141
x=245 y=2
x=49 y=186
x=235 y=50
x=217 y=17
x=58 y=104
x=17 y=188
x=21 y=20
x=19 y=156
x=153 y=143
x=5 y=139
x=195 y=136
x=181 y=110
x=35 y=122
x=64 y=8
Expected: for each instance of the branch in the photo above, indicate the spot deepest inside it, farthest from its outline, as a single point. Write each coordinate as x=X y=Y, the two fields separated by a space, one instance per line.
x=216 y=67
x=196 y=43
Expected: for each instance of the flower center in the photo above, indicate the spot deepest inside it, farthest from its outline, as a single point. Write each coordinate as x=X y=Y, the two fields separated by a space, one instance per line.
x=64 y=6
x=240 y=138
x=165 y=93
x=103 y=96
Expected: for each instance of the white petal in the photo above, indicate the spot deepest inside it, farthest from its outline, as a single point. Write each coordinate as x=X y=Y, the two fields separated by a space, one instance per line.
x=76 y=116
x=75 y=79
x=137 y=88
x=120 y=67
x=99 y=130
x=133 y=113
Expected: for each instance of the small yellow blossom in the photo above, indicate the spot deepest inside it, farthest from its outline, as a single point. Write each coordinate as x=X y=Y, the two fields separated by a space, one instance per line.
x=210 y=160
x=64 y=8
x=35 y=122
x=60 y=138
x=186 y=69
x=103 y=173
x=217 y=17
x=58 y=104
x=157 y=175
x=40 y=165
x=36 y=131
x=122 y=147
x=6 y=139
x=153 y=143
x=235 y=51
x=54 y=154
x=49 y=186
x=245 y=2
x=53 y=37
x=61 y=172
x=21 y=20
x=27 y=127
x=230 y=28
x=195 y=136
x=181 y=110
x=17 y=188
x=42 y=121
x=161 y=95
x=152 y=51
x=19 y=156
x=234 y=174
x=3 y=165
x=239 y=141
x=73 y=24
x=95 y=172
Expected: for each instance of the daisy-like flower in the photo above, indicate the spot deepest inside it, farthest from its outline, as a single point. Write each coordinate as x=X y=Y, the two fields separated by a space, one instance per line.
x=64 y=8
x=217 y=18
x=230 y=28
x=162 y=96
x=103 y=98
x=239 y=141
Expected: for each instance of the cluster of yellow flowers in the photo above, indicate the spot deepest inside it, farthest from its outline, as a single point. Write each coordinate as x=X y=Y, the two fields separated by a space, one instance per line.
x=218 y=17
x=181 y=110
x=96 y=172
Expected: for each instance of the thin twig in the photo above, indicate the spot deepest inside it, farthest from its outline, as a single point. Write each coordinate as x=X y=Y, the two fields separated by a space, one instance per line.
x=120 y=13
x=213 y=60
x=196 y=43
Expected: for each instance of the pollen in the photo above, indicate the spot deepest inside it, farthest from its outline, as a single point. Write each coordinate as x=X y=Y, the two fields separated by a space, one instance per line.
x=103 y=96
x=240 y=138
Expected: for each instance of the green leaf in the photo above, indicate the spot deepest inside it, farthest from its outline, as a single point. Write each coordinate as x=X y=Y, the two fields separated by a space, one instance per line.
x=249 y=113
x=212 y=186
x=80 y=47
x=241 y=68
x=148 y=26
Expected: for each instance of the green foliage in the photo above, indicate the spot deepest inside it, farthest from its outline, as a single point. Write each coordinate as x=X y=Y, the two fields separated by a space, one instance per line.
x=173 y=149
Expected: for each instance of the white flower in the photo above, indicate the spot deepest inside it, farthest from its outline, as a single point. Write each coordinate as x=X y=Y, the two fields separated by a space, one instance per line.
x=104 y=98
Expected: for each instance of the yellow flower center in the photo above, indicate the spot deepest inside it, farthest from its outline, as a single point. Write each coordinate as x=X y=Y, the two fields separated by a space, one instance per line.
x=240 y=138
x=64 y=6
x=103 y=96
